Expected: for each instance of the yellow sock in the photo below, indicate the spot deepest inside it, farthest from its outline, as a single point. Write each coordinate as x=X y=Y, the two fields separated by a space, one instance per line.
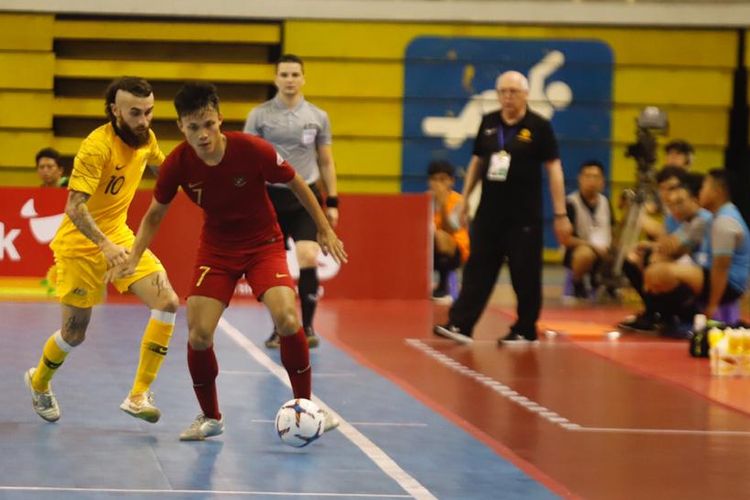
x=153 y=349
x=53 y=355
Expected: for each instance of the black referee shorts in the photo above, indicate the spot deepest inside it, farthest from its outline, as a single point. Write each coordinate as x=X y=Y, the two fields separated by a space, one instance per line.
x=294 y=220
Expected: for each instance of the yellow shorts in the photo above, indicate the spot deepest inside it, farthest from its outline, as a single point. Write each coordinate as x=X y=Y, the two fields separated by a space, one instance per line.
x=80 y=280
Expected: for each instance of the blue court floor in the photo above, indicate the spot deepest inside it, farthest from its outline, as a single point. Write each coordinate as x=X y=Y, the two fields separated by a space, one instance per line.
x=388 y=446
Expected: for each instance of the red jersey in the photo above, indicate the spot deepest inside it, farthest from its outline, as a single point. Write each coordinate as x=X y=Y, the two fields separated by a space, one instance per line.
x=237 y=210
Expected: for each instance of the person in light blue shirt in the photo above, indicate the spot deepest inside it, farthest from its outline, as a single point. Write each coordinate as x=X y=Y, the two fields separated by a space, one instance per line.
x=723 y=264
x=655 y=228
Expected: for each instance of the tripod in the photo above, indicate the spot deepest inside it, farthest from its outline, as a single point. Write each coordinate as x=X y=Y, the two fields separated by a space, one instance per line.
x=640 y=201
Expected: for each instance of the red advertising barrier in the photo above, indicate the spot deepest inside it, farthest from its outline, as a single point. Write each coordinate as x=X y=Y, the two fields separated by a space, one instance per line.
x=387 y=238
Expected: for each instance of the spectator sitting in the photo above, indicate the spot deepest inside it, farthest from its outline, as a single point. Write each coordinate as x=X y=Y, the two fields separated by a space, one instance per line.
x=49 y=169
x=451 y=241
x=679 y=236
x=678 y=290
x=654 y=226
x=684 y=243
x=590 y=214
x=679 y=153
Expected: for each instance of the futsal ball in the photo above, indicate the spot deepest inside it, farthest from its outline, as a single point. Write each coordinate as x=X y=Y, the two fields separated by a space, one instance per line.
x=299 y=422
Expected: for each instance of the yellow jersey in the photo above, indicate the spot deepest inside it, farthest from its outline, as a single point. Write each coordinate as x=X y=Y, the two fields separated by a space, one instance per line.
x=110 y=171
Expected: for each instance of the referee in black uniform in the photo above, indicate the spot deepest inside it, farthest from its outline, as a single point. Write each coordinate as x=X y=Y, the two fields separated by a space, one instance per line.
x=510 y=148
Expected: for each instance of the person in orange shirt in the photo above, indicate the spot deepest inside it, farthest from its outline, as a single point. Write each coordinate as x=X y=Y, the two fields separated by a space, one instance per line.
x=451 y=240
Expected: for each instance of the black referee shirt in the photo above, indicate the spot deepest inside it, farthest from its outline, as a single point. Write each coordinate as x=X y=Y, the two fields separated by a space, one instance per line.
x=530 y=143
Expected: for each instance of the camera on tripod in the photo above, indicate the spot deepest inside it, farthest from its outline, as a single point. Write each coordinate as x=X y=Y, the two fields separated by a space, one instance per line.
x=651 y=122
x=644 y=198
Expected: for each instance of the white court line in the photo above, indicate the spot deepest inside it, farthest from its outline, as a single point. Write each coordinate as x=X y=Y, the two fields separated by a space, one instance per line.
x=494 y=385
x=635 y=343
x=378 y=456
x=371 y=424
x=545 y=413
x=686 y=432
x=196 y=492
x=265 y=373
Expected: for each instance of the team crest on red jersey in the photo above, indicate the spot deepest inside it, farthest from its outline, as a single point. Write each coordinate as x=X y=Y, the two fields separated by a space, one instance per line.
x=239 y=181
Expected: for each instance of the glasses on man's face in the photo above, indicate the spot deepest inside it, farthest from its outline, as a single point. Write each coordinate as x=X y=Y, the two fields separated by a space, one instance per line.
x=509 y=91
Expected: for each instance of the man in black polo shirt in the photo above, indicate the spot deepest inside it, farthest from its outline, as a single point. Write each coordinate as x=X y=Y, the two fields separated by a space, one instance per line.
x=511 y=146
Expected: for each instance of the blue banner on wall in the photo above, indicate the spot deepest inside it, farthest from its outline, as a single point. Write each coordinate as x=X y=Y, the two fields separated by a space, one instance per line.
x=450 y=83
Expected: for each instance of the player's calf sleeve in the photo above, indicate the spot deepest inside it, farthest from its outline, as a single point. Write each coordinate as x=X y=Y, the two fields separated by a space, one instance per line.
x=203 y=370
x=295 y=356
x=308 y=293
x=154 y=345
x=54 y=353
x=634 y=275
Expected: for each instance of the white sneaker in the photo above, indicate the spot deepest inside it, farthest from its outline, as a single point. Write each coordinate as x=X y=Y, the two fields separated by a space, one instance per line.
x=44 y=403
x=142 y=407
x=330 y=422
x=202 y=428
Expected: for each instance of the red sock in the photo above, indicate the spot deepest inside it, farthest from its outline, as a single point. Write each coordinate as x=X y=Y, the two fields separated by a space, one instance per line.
x=204 y=369
x=295 y=356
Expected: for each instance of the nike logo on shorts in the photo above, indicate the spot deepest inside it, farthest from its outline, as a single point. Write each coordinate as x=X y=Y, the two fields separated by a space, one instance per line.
x=280 y=275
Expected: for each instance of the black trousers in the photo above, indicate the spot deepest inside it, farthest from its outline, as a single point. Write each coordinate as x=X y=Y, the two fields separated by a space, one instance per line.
x=521 y=246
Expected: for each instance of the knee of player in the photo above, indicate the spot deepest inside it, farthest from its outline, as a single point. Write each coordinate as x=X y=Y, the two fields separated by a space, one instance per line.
x=633 y=257
x=169 y=302
x=73 y=336
x=200 y=339
x=308 y=256
x=287 y=322
x=584 y=252
x=655 y=275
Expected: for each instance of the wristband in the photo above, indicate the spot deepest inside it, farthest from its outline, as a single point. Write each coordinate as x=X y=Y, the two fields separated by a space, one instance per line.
x=557 y=216
x=332 y=202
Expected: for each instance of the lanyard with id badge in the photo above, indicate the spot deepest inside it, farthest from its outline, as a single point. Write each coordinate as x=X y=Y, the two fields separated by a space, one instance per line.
x=500 y=161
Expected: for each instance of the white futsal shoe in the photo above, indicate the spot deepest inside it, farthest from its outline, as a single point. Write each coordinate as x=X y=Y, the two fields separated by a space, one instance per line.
x=142 y=406
x=330 y=422
x=44 y=403
x=202 y=428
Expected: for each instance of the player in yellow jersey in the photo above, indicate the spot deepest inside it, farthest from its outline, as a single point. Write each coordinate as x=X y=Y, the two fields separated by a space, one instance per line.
x=94 y=237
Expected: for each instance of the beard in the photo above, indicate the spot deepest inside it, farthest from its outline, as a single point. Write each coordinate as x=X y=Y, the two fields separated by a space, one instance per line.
x=131 y=137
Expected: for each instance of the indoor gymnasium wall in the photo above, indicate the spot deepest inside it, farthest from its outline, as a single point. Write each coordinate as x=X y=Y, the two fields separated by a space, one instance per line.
x=27 y=65
x=55 y=71
x=356 y=72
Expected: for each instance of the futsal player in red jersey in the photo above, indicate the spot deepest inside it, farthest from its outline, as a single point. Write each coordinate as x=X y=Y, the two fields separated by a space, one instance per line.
x=225 y=173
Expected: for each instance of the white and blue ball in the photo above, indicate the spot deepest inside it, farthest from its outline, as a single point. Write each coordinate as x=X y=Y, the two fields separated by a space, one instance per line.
x=299 y=422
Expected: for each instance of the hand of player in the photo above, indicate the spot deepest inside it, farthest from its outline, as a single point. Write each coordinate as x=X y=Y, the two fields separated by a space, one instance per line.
x=115 y=254
x=121 y=271
x=331 y=244
x=667 y=245
x=563 y=230
x=644 y=245
x=332 y=214
x=462 y=209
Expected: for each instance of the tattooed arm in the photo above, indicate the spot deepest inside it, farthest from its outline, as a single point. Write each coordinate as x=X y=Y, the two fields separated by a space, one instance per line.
x=79 y=214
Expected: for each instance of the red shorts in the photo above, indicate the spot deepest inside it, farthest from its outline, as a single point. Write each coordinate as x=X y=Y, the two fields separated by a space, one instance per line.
x=216 y=273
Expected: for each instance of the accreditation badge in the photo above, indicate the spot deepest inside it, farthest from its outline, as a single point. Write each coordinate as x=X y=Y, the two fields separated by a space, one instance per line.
x=499 y=166
x=308 y=135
